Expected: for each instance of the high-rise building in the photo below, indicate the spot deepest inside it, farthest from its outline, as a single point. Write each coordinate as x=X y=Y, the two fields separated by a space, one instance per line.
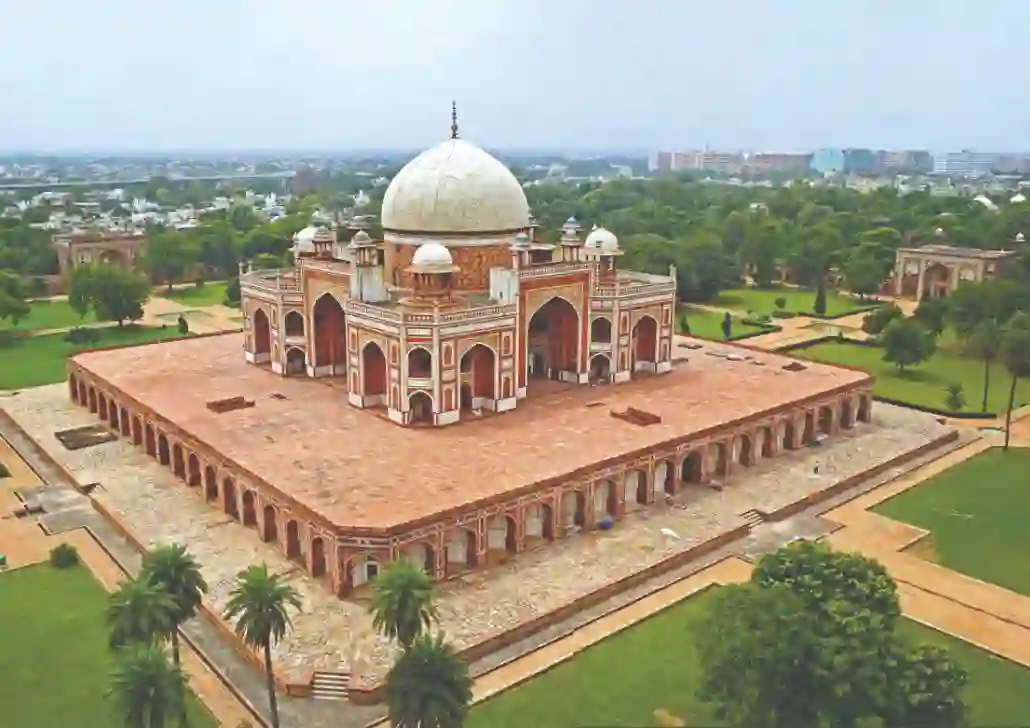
x=859 y=161
x=966 y=163
x=779 y=162
x=708 y=161
x=828 y=161
x=660 y=162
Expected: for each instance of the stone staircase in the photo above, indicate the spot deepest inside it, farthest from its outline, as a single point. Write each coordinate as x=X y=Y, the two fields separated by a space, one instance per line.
x=327 y=685
x=753 y=518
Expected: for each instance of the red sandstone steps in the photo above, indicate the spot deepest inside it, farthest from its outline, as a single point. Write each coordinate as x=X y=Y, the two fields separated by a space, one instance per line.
x=330 y=685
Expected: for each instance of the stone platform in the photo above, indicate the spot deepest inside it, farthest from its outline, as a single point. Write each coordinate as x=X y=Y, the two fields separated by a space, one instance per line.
x=337 y=635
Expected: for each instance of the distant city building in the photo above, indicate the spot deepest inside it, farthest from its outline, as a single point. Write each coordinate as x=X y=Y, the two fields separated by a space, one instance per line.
x=708 y=161
x=906 y=161
x=779 y=162
x=828 y=161
x=660 y=162
x=859 y=161
x=966 y=163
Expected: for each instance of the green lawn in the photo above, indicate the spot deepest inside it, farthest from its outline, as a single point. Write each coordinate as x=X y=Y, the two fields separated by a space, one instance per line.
x=925 y=384
x=976 y=512
x=37 y=360
x=623 y=679
x=210 y=294
x=799 y=300
x=56 y=314
x=54 y=662
x=707 y=324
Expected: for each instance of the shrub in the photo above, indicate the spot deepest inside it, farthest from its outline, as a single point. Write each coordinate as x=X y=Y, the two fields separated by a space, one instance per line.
x=781 y=303
x=232 y=291
x=954 y=397
x=820 y=300
x=784 y=314
x=183 y=325
x=877 y=321
x=64 y=556
x=81 y=335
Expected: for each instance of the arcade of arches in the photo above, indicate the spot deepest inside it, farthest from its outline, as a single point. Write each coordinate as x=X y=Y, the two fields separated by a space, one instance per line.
x=480 y=537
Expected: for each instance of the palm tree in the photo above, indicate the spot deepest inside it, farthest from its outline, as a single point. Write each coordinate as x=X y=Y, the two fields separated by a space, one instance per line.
x=985 y=342
x=429 y=686
x=259 y=608
x=402 y=602
x=147 y=687
x=172 y=570
x=139 y=612
x=1015 y=352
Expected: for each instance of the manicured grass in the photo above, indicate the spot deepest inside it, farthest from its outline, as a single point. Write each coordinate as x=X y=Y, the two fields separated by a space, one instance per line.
x=37 y=360
x=706 y=324
x=617 y=682
x=209 y=294
x=925 y=384
x=623 y=679
x=43 y=315
x=54 y=663
x=799 y=300
x=976 y=512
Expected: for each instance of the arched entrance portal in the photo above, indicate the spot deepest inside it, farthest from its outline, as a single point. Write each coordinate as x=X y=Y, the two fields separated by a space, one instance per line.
x=330 y=336
x=317 y=557
x=691 y=471
x=296 y=362
x=229 y=504
x=478 y=375
x=600 y=368
x=553 y=342
x=936 y=281
x=373 y=374
x=645 y=344
x=421 y=406
x=262 y=336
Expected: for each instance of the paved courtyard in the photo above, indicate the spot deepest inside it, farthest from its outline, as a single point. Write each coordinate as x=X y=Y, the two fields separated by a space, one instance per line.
x=331 y=634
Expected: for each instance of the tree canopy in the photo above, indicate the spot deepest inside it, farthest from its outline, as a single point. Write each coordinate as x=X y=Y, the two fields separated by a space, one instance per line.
x=812 y=640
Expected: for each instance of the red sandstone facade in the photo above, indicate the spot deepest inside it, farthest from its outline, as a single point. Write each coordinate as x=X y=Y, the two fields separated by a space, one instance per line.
x=487 y=533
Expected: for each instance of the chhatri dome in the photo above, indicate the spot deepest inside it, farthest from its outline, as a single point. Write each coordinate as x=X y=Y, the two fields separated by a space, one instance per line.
x=454 y=188
x=601 y=240
x=431 y=254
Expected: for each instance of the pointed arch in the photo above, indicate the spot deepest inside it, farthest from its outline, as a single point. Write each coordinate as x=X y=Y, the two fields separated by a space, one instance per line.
x=553 y=340
x=329 y=335
x=373 y=370
x=262 y=331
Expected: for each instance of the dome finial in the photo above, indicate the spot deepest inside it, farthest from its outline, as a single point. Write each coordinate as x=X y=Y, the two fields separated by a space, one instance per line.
x=454 y=120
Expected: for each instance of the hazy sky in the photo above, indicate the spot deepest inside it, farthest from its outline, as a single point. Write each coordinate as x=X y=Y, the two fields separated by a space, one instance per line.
x=336 y=74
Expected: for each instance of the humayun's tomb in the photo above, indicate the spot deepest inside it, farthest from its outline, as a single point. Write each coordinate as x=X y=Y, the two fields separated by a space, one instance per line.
x=457 y=392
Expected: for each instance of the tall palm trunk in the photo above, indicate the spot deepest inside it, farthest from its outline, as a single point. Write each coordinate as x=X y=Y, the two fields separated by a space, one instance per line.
x=184 y=720
x=1008 y=413
x=987 y=382
x=273 y=703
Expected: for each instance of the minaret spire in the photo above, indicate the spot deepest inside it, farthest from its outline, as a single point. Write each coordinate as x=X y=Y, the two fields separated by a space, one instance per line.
x=454 y=120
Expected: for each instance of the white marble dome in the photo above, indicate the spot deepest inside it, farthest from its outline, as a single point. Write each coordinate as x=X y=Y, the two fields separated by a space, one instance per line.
x=432 y=254
x=1017 y=198
x=454 y=187
x=304 y=241
x=602 y=240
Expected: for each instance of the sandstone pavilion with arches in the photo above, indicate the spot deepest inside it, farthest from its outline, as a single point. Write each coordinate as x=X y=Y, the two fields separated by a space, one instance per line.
x=456 y=393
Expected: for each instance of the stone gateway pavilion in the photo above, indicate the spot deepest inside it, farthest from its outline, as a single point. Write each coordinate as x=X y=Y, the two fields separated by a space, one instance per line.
x=456 y=393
